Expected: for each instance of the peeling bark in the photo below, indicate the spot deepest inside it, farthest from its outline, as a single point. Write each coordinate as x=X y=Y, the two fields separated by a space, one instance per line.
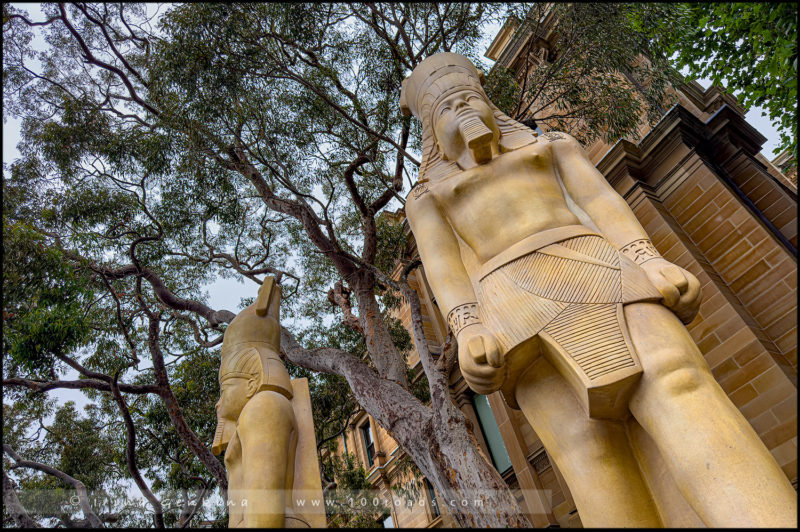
x=339 y=295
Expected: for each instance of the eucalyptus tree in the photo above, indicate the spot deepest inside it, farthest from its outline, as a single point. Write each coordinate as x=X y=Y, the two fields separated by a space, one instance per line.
x=227 y=140
x=589 y=69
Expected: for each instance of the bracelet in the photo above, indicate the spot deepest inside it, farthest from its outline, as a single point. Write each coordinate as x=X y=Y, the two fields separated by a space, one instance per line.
x=461 y=316
x=640 y=251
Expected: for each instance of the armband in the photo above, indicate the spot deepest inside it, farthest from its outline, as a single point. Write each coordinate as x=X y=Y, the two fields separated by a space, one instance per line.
x=640 y=251
x=462 y=316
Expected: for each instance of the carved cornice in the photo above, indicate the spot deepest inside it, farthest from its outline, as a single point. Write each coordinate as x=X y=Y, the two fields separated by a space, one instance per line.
x=723 y=131
x=710 y=100
x=522 y=35
x=666 y=152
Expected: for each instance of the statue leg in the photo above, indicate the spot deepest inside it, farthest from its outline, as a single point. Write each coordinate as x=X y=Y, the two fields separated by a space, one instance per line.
x=593 y=455
x=715 y=457
x=268 y=459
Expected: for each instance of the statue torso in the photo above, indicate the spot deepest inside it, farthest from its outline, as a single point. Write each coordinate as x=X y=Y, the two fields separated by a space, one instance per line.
x=495 y=205
x=233 y=464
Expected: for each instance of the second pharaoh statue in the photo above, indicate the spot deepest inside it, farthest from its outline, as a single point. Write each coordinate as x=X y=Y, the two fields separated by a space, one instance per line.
x=257 y=427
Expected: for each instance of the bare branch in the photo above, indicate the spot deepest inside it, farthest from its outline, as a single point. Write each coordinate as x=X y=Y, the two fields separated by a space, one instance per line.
x=111 y=68
x=14 y=507
x=80 y=487
x=130 y=455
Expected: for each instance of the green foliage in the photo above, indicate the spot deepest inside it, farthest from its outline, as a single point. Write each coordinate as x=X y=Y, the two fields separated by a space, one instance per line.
x=83 y=447
x=391 y=243
x=750 y=48
x=502 y=89
x=342 y=503
x=45 y=300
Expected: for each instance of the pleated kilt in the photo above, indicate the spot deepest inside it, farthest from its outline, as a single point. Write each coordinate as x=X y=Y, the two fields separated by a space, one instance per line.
x=566 y=286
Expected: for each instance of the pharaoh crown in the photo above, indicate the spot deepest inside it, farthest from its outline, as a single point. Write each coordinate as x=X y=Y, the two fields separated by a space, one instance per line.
x=435 y=78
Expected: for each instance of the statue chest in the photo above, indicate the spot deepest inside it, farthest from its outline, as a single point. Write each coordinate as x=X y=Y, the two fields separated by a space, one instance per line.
x=508 y=179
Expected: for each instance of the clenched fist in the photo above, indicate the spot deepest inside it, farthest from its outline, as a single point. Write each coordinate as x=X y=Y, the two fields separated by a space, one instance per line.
x=679 y=288
x=480 y=359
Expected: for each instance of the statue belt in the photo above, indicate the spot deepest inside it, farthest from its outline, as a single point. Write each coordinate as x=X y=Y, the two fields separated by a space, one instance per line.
x=531 y=243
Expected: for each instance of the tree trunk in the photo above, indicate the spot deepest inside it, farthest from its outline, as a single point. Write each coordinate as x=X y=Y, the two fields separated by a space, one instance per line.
x=470 y=487
x=437 y=440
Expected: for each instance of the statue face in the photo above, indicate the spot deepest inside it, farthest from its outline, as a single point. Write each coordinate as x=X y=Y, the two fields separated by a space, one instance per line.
x=234 y=394
x=465 y=128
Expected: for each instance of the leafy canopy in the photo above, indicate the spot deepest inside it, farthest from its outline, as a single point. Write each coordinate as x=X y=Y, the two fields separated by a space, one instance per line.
x=751 y=49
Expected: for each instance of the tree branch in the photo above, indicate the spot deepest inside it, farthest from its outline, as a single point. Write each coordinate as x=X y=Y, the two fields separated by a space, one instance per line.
x=372 y=392
x=14 y=507
x=39 y=386
x=214 y=317
x=351 y=185
x=339 y=295
x=90 y=58
x=79 y=486
x=130 y=455
x=174 y=411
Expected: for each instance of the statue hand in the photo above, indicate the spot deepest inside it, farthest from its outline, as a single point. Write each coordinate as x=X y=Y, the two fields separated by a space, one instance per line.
x=480 y=359
x=679 y=288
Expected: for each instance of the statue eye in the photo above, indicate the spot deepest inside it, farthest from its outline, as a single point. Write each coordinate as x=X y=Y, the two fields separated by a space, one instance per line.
x=443 y=109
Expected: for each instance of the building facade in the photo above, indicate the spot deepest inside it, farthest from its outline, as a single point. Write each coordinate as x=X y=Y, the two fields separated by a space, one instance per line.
x=712 y=204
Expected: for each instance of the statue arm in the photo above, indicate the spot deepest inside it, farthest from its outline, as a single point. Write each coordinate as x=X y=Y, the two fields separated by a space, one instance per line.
x=479 y=357
x=440 y=253
x=591 y=192
x=616 y=221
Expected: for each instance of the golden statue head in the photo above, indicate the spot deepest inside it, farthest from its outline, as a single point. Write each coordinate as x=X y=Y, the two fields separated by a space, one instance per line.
x=250 y=341
x=460 y=126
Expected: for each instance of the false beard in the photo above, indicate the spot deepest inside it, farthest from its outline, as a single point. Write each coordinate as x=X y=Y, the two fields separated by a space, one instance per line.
x=223 y=435
x=478 y=138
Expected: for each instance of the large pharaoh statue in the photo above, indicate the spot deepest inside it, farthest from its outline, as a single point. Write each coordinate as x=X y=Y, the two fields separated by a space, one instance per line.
x=258 y=427
x=558 y=299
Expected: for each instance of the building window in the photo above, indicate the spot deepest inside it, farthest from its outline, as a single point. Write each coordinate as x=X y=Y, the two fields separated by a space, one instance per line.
x=388 y=523
x=491 y=432
x=369 y=444
x=432 y=498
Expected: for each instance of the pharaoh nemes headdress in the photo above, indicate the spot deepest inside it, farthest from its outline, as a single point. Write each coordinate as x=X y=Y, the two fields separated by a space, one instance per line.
x=257 y=330
x=435 y=78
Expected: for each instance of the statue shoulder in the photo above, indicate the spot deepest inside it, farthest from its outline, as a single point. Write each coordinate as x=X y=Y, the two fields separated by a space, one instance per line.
x=558 y=137
x=418 y=198
x=561 y=144
x=266 y=408
x=419 y=190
